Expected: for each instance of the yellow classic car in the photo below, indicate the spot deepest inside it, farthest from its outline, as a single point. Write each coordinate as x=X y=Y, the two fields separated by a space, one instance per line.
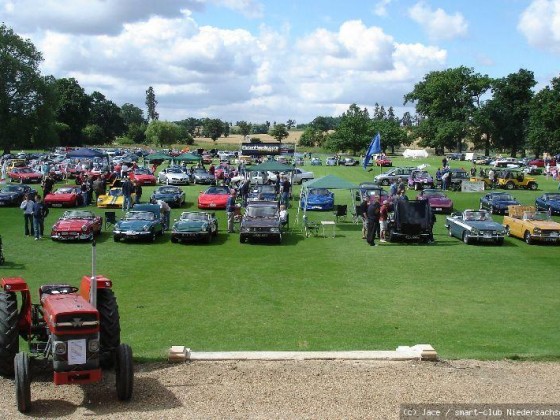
x=114 y=199
x=533 y=226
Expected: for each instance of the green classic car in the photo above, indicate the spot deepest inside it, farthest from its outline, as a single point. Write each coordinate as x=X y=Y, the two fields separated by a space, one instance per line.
x=195 y=225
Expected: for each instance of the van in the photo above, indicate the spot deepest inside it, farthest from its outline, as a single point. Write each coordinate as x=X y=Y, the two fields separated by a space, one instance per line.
x=471 y=156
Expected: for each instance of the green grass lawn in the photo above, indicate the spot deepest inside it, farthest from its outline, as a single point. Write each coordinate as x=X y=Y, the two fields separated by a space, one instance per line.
x=482 y=302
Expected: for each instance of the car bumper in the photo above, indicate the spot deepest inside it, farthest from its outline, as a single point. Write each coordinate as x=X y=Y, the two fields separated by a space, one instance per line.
x=177 y=181
x=555 y=239
x=131 y=234
x=71 y=236
x=189 y=235
x=485 y=237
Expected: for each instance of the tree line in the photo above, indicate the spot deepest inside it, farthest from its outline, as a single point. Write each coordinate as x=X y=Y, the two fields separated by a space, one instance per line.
x=454 y=109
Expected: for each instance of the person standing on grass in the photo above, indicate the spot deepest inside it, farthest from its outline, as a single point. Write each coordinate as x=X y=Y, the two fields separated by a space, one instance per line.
x=40 y=211
x=362 y=211
x=230 y=211
x=127 y=188
x=383 y=220
x=373 y=211
x=138 y=191
x=165 y=212
x=27 y=207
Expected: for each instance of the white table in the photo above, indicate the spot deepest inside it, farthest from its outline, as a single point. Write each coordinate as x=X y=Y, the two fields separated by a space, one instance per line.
x=325 y=223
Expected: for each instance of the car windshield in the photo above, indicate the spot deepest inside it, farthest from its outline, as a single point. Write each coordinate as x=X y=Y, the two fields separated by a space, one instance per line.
x=265 y=189
x=174 y=171
x=78 y=214
x=476 y=216
x=168 y=190
x=140 y=215
x=503 y=197
x=421 y=174
x=539 y=215
x=142 y=171
x=262 y=211
x=217 y=191
x=434 y=194
x=319 y=191
x=115 y=192
x=194 y=217
x=65 y=190
x=553 y=197
x=200 y=171
x=11 y=188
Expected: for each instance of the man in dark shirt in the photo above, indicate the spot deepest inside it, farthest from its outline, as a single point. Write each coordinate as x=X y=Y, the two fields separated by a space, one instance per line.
x=373 y=221
x=230 y=211
x=127 y=188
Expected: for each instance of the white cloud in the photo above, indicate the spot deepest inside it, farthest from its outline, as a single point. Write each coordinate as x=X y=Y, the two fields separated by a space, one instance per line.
x=438 y=24
x=380 y=8
x=249 y=8
x=540 y=23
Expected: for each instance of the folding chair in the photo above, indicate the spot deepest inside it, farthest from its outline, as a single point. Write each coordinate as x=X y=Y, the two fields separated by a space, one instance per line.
x=310 y=228
x=340 y=212
x=110 y=218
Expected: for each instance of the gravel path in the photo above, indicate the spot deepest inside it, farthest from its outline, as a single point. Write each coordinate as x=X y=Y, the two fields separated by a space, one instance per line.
x=292 y=390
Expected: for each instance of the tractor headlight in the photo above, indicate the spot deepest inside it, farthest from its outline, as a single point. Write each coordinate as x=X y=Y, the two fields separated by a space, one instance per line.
x=93 y=346
x=60 y=347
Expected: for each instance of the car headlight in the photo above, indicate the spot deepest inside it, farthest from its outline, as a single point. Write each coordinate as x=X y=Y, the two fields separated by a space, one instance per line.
x=84 y=228
x=146 y=228
x=275 y=230
x=204 y=226
x=475 y=231
x=93 y=346
x=537 y=231
x=59 y=347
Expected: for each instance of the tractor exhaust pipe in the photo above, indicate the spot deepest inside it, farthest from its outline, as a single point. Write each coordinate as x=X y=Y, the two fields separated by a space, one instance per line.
x=93 y=283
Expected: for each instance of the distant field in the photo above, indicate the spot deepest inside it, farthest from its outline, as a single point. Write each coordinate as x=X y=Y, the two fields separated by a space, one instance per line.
x=481 y=302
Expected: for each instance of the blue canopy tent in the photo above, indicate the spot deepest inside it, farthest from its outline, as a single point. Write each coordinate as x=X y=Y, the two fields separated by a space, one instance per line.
x=86 y=153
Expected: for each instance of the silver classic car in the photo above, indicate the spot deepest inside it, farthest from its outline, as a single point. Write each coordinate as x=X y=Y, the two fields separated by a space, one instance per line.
x=475 y=226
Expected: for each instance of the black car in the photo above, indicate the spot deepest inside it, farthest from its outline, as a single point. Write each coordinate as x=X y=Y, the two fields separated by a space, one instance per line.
x=13 y=195
x=497 y=202
x=457 y=177
x=410 y=221
x=172 y=195
x=261 y=221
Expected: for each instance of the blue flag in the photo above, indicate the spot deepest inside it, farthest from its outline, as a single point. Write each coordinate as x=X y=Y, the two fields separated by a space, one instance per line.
x=374 y=147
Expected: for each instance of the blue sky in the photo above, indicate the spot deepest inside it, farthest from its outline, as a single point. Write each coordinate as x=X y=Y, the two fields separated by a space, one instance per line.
x=264 y=60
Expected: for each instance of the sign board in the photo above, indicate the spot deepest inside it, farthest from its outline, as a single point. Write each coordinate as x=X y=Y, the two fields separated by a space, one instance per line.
x=472 y=186
x=263 y=149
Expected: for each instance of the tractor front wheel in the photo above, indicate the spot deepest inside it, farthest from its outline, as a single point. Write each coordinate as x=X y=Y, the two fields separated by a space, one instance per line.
x=9 y=334
x=110 y=327
x=124 y=372
x=22 y=382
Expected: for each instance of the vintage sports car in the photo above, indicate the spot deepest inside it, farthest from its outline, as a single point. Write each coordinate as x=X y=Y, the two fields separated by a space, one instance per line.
x=65 y=196
x=213 y=198
x=261 y=220
x=349 y=161
x=383 y=161
x=142 y=222
x=173 y=175
x=497 y=202
x=76 y=225
x=197 y=225
x=25 y=175
x=371 y=190
x=172 y=195
x=315 y=161
x=13 y=195
x=411 y=221
x=142 y=175
x=549 y=202
x=201 y=176
x=511 y=179
x=317 y=199
x=439 y=202
x=263 y=192
x=114 y=199
x=331 y=161
x=475 y=226
x=420 y=179
x=532 y=226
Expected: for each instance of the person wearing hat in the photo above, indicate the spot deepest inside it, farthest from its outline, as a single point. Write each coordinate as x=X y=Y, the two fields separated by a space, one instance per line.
x=383 y=220
x=230 y=211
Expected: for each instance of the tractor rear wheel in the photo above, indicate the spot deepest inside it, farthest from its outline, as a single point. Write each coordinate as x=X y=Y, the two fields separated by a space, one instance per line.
x=124 y=372
x=110 y=327
x=9 y=335
x=22 y=382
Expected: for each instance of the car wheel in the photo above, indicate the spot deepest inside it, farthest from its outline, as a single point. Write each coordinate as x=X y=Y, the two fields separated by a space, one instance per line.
x=116 y=238
x=242 y=239
x=167 y=181
x=507 y=231
x=390 y=235
x=385 y=182
x=533 y=186
x=510 y=186
x=528 y=239
x=154 y=236
x=500 y=241
x=449 y=232
x=174 y=239
x=466 y=238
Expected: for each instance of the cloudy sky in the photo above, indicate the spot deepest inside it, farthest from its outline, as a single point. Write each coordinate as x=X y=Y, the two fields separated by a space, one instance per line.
x=272 y=60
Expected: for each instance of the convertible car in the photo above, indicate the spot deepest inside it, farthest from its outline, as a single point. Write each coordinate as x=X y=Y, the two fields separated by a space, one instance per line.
x=497 y=202
x=195 y=225
x=370 y=190
x=201 y=176
x=143 y=176
x=317 y=199
x=76 y=225
x=114 y=199
x=12 y=195
x=65 y=196
x=172 y=195
x=532 y=226
x=475 y=226
x=439 y=202
x=25 y=175
x=174 y=176
x=262 y=192
x=213 y=198
x=420 y=179
x=549 y=202
x=142 y=222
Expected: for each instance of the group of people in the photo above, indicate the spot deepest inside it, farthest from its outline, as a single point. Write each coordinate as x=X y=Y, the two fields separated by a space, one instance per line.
x=34 y=214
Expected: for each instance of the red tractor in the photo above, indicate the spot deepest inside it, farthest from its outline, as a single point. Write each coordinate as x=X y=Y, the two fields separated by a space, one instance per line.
x=77 y=329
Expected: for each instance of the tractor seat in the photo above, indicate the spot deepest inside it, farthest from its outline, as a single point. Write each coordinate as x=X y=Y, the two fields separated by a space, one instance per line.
x=56 y=289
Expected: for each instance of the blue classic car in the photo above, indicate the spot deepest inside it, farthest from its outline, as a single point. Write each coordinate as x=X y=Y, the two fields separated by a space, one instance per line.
x=262 y=192
x=497 y=202
x=317 y=199
x=549 y=202
x=174 y=196
x=475 y=226
x=13 y=194
x=143 y=222
x=195 y=225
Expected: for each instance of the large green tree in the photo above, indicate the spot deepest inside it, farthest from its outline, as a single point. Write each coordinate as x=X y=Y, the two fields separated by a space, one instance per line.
x=244 y=127
x=213 y=128
x=163 y=133
x=279 y=132
x=151 y=104
x=107 y=115
x=544 y=122
x=445 y=102
x=26 y=98
x=353 y=133
x=72 y=109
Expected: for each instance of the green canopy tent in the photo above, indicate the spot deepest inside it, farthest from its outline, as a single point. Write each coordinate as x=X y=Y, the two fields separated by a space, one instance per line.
x=188 y=158
x=330 y=182
x=157 y=156
x=271 y=166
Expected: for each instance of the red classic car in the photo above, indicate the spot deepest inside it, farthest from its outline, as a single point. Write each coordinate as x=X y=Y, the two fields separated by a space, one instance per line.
x=65 y=196
x=540 y=163
x=25 y=175
x=213 y=198
x=383 y=161
x=439 y=202
x=76 y=225
x=142 y=175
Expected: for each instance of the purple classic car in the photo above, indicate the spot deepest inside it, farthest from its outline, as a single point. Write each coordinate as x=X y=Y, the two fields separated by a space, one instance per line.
x=420 y=179
x=439 y=202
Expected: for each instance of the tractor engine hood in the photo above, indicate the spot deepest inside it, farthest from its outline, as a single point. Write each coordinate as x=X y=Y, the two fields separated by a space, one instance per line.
x=69 y=314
